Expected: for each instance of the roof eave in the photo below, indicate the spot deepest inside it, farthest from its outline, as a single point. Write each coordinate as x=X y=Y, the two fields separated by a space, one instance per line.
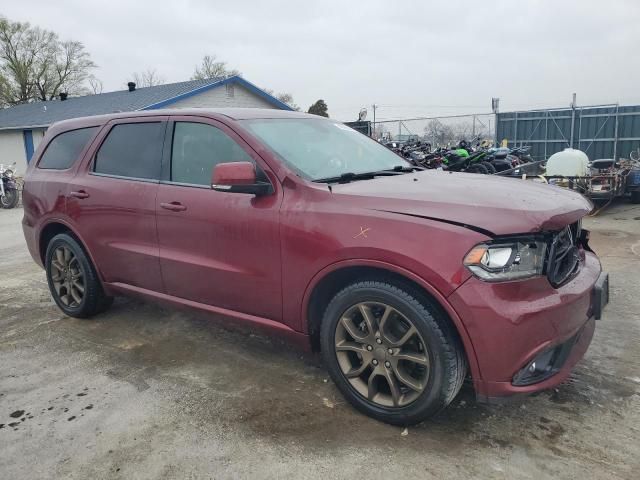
x=219 y=83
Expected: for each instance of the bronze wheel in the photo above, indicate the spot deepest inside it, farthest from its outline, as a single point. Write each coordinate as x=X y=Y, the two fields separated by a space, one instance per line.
x=67 y=276
x=381 y=354
x=73 y=281
x=391 y=352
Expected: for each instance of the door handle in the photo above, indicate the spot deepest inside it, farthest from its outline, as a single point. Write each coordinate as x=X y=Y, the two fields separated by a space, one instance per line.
x=173 y=206
x=80 y=194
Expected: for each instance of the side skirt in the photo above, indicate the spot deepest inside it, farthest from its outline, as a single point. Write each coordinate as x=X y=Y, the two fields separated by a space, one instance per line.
x=236 y=318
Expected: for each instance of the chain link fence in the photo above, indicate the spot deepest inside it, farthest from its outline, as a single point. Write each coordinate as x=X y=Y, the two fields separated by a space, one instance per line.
x=441 y=131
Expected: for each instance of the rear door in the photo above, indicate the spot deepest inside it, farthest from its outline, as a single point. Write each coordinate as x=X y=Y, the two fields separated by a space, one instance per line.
x=217 y=248
x=112 y=201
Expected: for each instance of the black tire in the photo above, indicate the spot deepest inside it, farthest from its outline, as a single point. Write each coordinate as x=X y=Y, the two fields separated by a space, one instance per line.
x=477 y=168
x=635 y=196
x=489 y=166
x=10 y=199
x=447 y=368
x=94 y=299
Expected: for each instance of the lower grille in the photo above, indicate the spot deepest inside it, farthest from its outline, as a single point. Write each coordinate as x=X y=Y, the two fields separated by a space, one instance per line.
x=564 y=258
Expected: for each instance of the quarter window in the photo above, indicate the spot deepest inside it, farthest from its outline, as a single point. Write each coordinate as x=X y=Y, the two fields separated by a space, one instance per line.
x=64 y=149
x=197 y=148
x=132 y=150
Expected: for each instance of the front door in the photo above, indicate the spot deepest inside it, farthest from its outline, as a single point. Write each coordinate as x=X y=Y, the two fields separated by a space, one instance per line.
x=216 y=248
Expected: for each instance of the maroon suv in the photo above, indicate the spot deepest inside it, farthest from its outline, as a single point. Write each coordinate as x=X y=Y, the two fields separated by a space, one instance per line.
x=407 y=281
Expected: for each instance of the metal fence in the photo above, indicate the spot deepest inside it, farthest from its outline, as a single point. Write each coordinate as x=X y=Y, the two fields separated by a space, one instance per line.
x=441 y=131
x=601 y=131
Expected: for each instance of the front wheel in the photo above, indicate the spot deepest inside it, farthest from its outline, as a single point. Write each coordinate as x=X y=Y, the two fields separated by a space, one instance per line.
x=393 y=356
x=9 y=199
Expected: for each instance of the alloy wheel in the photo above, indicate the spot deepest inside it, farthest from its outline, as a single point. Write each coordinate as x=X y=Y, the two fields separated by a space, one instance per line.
x=382 y=354
x=67 y=277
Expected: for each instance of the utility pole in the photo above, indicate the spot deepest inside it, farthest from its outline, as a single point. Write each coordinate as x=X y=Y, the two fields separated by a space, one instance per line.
x=374 y=106
x=495 y=107
x=573 y=119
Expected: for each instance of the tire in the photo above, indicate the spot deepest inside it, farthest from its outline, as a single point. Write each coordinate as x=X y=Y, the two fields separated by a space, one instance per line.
x=489 y=166
x=477 y=168
x=10 y=199
x=635 y=196
x=442 y=378
x=79 y=270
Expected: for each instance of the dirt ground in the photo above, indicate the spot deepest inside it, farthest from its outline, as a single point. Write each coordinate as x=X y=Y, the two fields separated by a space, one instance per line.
x=144 y=392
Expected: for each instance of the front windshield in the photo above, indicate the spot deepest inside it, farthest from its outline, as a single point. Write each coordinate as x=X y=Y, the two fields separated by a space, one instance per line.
x=321 y=149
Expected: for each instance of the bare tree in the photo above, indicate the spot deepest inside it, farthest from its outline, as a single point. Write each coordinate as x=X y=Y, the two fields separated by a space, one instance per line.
x=380 y=131
x=65 y=70
x=95 y=85
x=210 y=68
x=439 y=134
x=288 y=99
x=36 y=65
x=148 y=78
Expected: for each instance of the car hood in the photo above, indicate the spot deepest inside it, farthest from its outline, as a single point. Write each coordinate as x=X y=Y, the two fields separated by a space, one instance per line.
x=486 y=203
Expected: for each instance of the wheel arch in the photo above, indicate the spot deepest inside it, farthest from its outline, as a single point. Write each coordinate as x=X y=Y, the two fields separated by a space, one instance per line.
x=55 y=227
x=335 y=277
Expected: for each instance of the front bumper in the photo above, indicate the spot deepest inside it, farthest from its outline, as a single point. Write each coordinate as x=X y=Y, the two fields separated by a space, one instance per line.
x=513 y=323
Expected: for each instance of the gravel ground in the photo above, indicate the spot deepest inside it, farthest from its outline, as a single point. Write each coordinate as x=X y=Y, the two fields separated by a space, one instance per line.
x=144 y=392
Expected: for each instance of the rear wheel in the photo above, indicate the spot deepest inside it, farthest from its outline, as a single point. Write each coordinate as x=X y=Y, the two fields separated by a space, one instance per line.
x=477 y=168
x=9 y=199
x=394 y=357
x=489 y=166
x=72 y=279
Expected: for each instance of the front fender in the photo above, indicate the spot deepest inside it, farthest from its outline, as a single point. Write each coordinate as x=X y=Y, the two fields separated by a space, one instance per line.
x=410 y=275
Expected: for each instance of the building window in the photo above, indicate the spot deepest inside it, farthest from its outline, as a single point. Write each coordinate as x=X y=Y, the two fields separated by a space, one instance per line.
x=230 y=92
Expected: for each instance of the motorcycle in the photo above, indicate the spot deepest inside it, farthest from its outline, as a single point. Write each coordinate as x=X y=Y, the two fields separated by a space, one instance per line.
x=8 y=187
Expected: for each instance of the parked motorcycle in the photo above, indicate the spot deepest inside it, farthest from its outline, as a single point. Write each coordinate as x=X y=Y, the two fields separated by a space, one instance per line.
x=8 y=187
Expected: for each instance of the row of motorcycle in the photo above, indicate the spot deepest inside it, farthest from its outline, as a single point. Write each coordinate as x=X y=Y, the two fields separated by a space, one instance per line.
x=470 y=157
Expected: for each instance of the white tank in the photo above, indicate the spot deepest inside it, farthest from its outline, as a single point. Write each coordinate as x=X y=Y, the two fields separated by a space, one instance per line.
x=568 y=163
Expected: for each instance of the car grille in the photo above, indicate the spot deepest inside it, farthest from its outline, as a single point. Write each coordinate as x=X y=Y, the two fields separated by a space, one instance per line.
x=564 y=258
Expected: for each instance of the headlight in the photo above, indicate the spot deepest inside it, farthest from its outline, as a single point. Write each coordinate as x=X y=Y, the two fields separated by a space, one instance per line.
x=507 y=260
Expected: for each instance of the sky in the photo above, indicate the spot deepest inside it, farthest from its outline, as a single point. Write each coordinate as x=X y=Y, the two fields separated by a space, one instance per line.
x=412 y=58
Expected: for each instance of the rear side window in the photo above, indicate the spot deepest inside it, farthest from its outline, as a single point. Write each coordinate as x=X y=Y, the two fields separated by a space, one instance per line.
x=64 y=150
x=197 y=148
x=132 y=150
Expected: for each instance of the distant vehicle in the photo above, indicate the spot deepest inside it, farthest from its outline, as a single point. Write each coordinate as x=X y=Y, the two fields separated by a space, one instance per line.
x=406 y=280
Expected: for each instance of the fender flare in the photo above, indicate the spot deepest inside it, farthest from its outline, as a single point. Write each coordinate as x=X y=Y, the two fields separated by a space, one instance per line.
x=75 y=233
x=438 y=297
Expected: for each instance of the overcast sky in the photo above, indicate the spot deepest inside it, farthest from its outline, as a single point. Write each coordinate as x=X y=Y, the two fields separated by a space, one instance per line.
x=413 y=58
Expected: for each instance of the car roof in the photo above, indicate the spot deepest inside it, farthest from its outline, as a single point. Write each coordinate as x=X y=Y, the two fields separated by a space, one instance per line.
x=232 y=113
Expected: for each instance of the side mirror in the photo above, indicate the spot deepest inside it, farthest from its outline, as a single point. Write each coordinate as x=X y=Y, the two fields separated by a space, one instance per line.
x=238 y=177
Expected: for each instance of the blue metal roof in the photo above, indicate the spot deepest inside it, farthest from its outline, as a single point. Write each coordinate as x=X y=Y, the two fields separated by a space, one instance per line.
x=43 y=114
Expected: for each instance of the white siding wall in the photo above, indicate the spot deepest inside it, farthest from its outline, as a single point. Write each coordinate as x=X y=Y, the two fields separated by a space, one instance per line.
x=37 y=137
x=219 y=98
x=12 y=150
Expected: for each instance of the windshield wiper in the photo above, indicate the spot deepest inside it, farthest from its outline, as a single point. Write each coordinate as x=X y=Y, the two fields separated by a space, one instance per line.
x=350 y=176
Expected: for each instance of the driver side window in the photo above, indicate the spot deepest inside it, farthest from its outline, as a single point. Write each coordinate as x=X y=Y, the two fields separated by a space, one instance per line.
x=197 y=148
